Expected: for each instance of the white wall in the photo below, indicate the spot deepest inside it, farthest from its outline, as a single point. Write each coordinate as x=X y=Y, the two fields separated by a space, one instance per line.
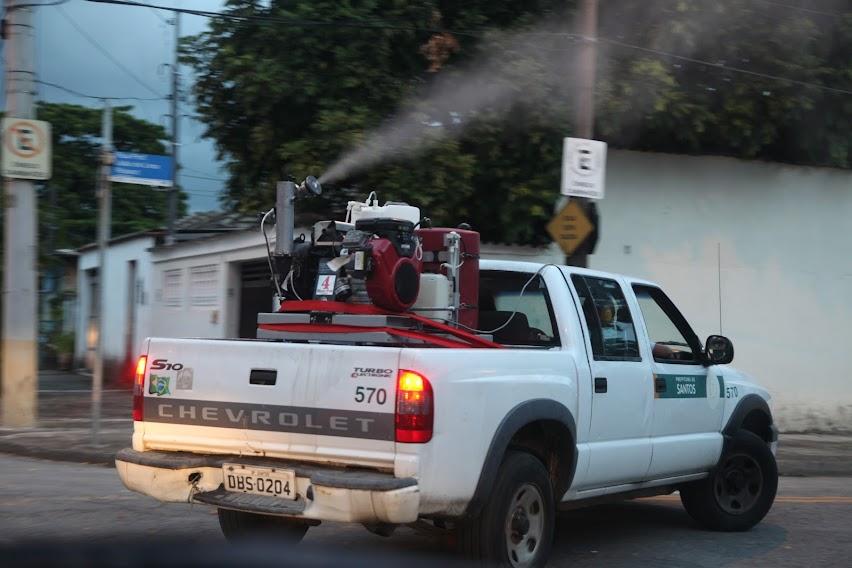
x=219 y=319
x=115 y=310
x=782 y=236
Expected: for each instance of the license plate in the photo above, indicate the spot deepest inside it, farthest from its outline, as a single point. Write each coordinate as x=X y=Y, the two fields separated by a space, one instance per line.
x=260 y=480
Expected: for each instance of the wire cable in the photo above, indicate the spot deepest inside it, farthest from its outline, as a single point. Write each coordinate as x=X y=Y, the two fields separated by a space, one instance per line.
x=517 y=303
x=798 y=8
x=84 y=95
x=35 y=5
x=269 y=252
x=718 y=65
x=357 y=24
x=106 y=52
x=203 y=177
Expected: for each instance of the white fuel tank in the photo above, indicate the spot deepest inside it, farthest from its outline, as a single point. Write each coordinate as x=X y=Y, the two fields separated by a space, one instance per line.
x=390 y=210
x=433 y=301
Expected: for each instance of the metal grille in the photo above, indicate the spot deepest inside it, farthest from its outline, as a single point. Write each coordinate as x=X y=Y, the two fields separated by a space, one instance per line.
x=173 y=288
x=204 y=285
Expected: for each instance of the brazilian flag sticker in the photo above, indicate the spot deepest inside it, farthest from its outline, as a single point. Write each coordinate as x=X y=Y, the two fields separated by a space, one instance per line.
x=158 y=385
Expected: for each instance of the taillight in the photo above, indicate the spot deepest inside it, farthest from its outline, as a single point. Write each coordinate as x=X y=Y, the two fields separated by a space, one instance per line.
x=139 y=389
x=414 y=408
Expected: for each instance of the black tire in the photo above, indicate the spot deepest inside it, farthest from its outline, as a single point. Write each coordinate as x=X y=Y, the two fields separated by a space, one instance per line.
x=237 y=525
x=519 y=516
x=739 y=491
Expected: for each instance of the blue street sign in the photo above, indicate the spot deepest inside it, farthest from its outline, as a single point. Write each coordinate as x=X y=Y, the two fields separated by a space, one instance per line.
x=142 y=169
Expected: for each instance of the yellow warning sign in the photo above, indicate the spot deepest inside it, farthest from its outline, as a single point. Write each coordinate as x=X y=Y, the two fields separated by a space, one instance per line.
x=570 y=227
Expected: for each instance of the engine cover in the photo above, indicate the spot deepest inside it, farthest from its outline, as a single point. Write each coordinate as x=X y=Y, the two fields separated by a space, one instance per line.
x=394 y=280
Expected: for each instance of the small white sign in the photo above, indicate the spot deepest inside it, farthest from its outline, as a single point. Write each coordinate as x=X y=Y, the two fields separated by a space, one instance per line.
x=325 y=285
x=583 y=168
x=26 y=149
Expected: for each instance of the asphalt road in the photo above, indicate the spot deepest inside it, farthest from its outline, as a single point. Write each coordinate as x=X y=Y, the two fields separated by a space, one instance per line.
x=65 y=505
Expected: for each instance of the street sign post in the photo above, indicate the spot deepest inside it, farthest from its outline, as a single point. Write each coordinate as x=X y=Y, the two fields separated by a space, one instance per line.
x=26 y=149
x=583 y=168
x=142 y=169
x=570 y=227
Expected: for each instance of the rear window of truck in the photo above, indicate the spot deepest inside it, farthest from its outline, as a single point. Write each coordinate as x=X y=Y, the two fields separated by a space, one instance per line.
x=513 y=318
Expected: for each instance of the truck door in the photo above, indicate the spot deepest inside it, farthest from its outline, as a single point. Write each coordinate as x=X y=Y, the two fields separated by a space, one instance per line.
x=687 y=395
x=622 y=389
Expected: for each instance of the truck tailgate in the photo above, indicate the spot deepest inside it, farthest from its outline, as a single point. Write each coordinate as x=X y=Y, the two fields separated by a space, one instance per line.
x=325 y=403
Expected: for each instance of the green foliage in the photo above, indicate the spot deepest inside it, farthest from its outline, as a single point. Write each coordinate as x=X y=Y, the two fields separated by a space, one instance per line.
x=654 y=102
x=68 y=205
x=280 y=99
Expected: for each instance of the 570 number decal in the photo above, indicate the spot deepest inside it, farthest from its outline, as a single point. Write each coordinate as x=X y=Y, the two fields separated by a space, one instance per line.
x=368 y=394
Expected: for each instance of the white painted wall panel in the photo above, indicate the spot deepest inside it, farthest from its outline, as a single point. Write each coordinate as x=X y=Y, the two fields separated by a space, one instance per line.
x=779 y=238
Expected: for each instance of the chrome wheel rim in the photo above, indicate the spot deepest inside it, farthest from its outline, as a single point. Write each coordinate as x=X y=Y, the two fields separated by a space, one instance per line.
x=524 y=525
x=738 y=484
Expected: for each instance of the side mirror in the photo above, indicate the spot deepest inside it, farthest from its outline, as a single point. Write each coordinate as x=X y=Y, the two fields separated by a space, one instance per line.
x=719 y=350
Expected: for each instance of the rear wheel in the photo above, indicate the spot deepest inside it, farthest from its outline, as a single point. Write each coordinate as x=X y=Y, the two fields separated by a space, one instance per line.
x=238 y=525
x=515 y=527
x=740 y=491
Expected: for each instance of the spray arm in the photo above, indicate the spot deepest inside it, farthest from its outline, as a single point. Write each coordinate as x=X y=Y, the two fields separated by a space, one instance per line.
x=286 y=193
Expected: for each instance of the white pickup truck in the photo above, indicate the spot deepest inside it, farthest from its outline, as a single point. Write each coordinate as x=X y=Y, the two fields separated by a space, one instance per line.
x=602 y=390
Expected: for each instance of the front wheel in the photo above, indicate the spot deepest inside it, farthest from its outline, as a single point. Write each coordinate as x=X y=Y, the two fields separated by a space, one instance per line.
x=238 y=525
x=515 y=527
x=740 y=491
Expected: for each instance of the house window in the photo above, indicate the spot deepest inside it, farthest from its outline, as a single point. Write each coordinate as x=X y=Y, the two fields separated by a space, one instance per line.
x=204 y=286
x=173 y=288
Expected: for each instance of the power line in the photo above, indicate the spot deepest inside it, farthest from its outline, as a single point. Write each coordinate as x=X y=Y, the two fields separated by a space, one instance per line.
x=84 y=95
x=799 y=8
x=159 y=15
x=200 y=172
x=357 y=24
x=722 y=66
x=478 y=33
x=43 y=5
x=106 y=53
x=203 y=177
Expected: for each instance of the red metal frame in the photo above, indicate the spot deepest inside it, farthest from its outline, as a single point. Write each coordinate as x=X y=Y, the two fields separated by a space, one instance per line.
x=462 y=339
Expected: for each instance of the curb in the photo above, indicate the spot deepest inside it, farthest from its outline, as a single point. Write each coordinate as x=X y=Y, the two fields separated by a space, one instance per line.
x=95 y=456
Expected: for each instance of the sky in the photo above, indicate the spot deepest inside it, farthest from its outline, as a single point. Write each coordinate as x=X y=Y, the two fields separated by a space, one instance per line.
x=142 y=41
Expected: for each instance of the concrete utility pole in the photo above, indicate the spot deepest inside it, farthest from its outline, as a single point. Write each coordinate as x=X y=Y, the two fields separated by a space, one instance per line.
x=584 y=117
x=104 y=226
x=173 y=192
x=20 y=279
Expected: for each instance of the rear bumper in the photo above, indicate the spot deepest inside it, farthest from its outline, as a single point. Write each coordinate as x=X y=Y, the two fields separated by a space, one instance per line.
x=323 y=493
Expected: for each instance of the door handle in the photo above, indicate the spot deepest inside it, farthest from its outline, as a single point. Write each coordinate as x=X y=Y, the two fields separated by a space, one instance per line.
x=600 y=384
x=263 y=377
x=659 y=384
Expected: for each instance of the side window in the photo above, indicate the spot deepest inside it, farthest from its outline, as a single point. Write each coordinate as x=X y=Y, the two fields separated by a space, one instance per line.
x=516 y=319
x=667 y=329
x=608 y=318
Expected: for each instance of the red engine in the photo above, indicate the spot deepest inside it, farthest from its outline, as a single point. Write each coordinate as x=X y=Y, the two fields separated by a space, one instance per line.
x=393 y=282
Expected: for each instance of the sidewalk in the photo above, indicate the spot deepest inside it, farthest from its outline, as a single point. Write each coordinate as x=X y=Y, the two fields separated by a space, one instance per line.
x=64 y=432
x=64 y=424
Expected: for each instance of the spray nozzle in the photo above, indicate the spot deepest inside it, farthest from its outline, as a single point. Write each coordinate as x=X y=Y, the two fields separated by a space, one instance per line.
x=310 y=185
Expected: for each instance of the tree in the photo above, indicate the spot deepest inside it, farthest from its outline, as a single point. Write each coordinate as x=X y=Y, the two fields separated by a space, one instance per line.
x=651 y=100
x=68 y=205
x=293 y=85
